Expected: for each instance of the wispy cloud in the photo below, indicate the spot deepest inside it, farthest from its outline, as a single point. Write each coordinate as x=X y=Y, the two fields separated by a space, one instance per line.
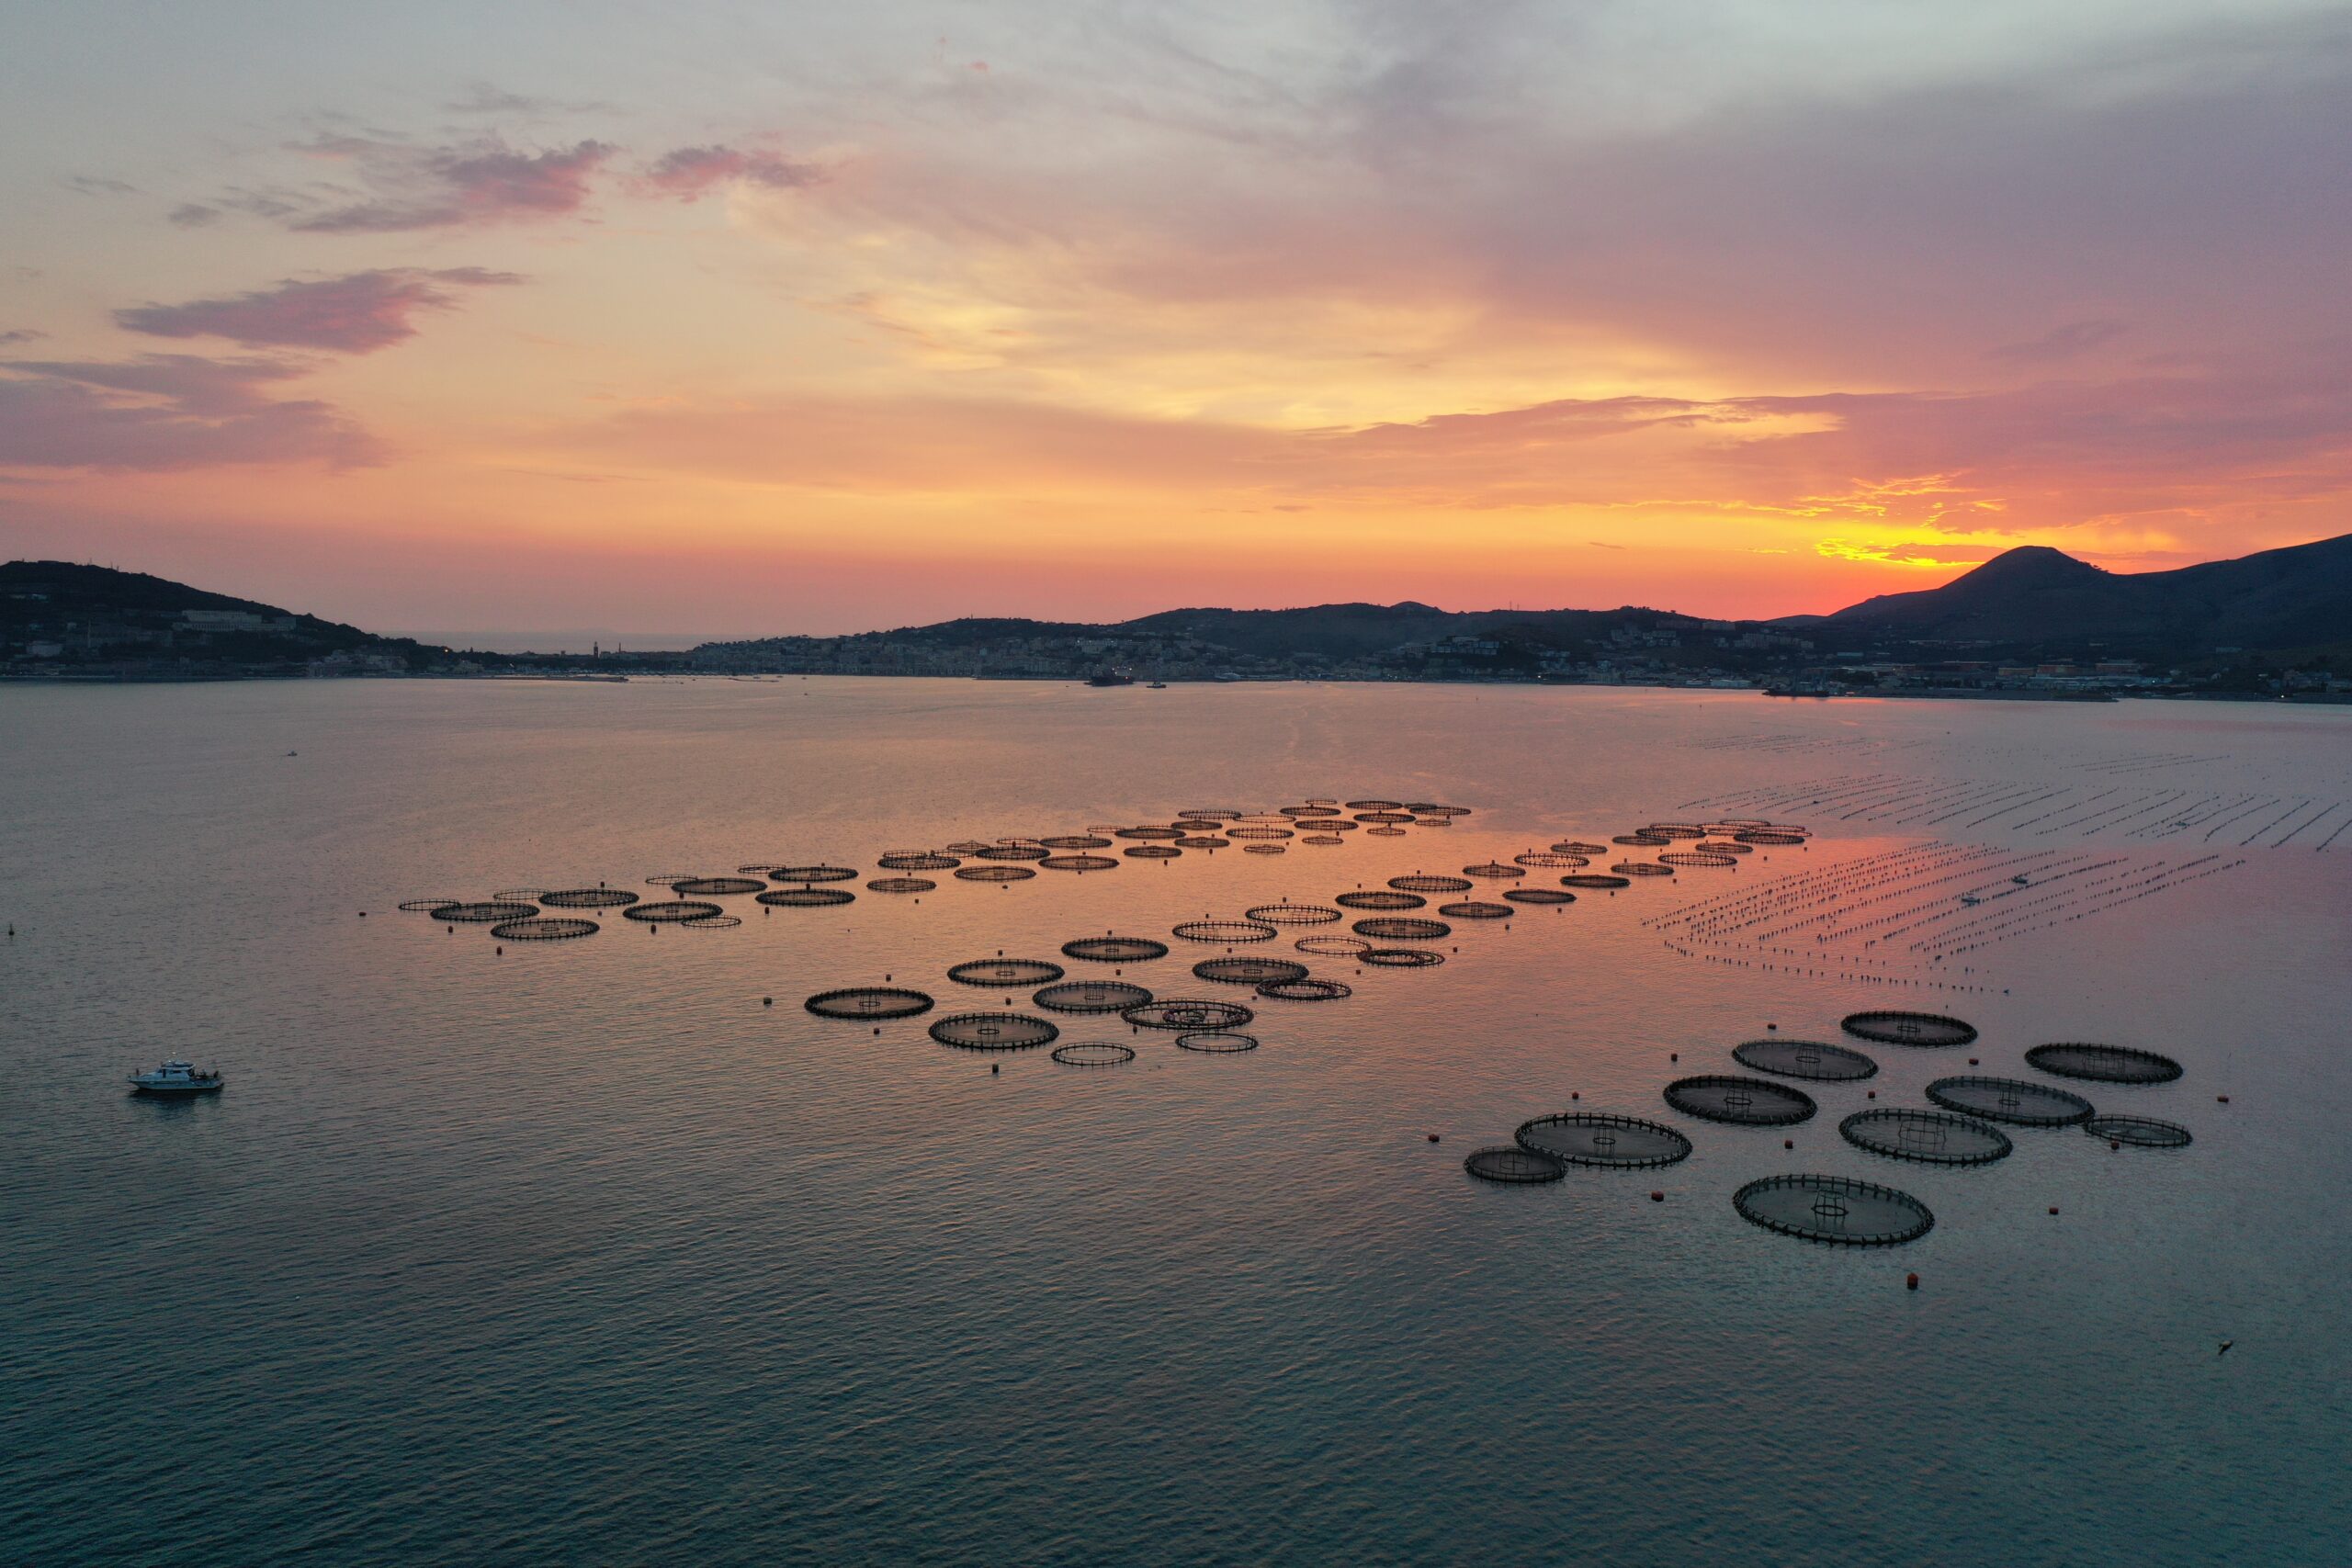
x=686 y=172
x=476 y=183
x=356 y=313
x=2059 y=342
x=168 y=413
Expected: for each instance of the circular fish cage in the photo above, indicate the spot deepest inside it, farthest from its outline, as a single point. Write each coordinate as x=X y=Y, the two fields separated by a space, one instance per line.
x=1478 y=909
x=1292 y=915
x=812 y=873
x=518 y=895
x=1265 y=849
x=1332 y=946
x=1724 y=847
x=667 y=879
x=710 y=923
x=1579 y=848
x=1419 y=883
x=1322 y=840
x=901 y=885
x=1148 y=833
x=1590 y=1137
x=671 y=912
x=1746 y=1103
x=869 y=1001
x=1334 y=825
x=1204 y=842
x=966 y=846
x=2013 y=1100
x=1804 y=1059
x=494 y=910
x=1152 y=852
x=994 y=873
x=805 y=897
x=1012 y=852
x=1932 y=1137
x=1539 y=895
x=1374 y=805
x=1183 y=1013
x=543 y=929
x=1834 y=1209
x=1307 y=810
x=1305 y=989
x=1697 y=858
x=1895 y=1027
x=1431 y=808
x=1594 y=879
x=1247 y=832
x=1247 y=971
x=714 y=887
x=1769 y=839
x=1395 y=928
x=1091 y=996
x=1639 y=868
x=1001 y=973
x=1384 y=818
x=918 y=861
x=1076 y=841
x=1385 y=832
x=2141 y=1132
x=1215 y=814
x=1514 y=1165
x=1114 y=949
x=1094 y=1054
x=2103 y=1063
x=1080 y=862
x=1380 y=901
x=1400 y=957
x=428 y=906
x=1677 y=829
x=1217 y=1043
x=993 y=1030
x=1494 y=870
x=588 y=898
x=1224 y=930
x=1017 y=840
x=1552 y=860
x=1641 y=841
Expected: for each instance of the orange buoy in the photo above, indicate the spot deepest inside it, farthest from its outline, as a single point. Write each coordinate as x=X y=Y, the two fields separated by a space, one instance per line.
x=1658 y=1196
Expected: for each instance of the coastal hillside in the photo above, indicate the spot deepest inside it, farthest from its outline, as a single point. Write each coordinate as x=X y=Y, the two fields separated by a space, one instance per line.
x=69 y=614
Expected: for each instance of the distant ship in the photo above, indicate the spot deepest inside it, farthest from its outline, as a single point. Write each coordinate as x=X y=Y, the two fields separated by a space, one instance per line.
x=178 y=1078
x=1110 y=677
x=1157 y=686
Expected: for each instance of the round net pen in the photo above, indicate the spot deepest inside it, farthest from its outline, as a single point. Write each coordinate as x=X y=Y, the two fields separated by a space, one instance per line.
x=1804 y=1059
x=668 y=879
x=805 y=897
x=1204 y=842
x=1895 y=1027
x=1384 y=818
x=2103 y=1063
x=1247 y=833
x=994 y=873
x=518 y=895
x=813 y=874
x=1747 y=1102
x=1076 y=841
x=432 y=906
x=1640 y=868
x=862 y=1002
x=1932 y=1137
x=993 y=1030
x=1584 y=1137
x=1012 y=852
x=967 y=846
x=714 y=887
x=1380 y=901
x=2013 y=1100
x=1292 y=915
x=1091 y=996
x=495 y=910
x=1398 y=928
x=1478 y=909
x=1000 y=973
x=2140 y=1132
x=1265 y=849
x=588 y=898
x=1641 y=841
x=1385 y=832
x=1677 y=829
x=710 y=923
x=1539 y=895
x=1707 y=858
x=1837 y=1209
x=1215 y=814
x=1226 y=931
x=1401 y=958
x=1551 y=860
x=1770 y=840
x=1419 y=883
x=1308 y=988
x=1594 y=880
x=543 y=929
x=1494 y=870
x=910 y=860
x=1151 y=852
x=1578 y=848
x=1513 y=1165
x=1187 y=1013
x=672 y=912
x=1114 y=949
x=1332 y=946
x=1247 y=971
x=1725 y=847
x=1149 y=833
x=1218 y=1041
x=901 y=885
x=1094 y=1054
x=1374 y=805
x=1079 y=863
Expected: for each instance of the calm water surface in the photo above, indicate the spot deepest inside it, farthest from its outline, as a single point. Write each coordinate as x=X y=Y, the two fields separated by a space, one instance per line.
x=579 y=1253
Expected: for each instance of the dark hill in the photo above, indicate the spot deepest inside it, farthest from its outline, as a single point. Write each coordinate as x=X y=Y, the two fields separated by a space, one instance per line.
x=98 y=615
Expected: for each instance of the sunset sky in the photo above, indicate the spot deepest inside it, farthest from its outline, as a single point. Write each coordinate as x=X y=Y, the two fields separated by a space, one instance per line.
x=721 y=319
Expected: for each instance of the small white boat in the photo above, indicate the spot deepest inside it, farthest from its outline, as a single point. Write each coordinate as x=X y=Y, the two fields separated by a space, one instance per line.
x=178 y=1078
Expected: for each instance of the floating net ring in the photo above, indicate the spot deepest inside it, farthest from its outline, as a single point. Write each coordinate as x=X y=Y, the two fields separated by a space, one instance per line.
x=1312 y=809
x=491 y=912
x=1247 y=832
x=543 y=929
x=1401 y=928
x=1322 y=839
x=425 y=906
x=1732 y=847
x=1204 y=842
x=671 y=879
x=1307 y=989
x=1091 y=996
x=993 y=1030
x=1215 y=814
x=2103 y=1063
x=1677 y=829
x=1292 y=915
x=1748 y=1102
x=1217 y=1042
x=901 y=885
x=1427 y=808
x=519 y=895
x=1332 y=946
x=710 y=923
x=1335 y=825
x=1579 y=847
x=1641 y=841
x=1400 y=957
x=1001 y=973
x=709 y=886
x=918 y=861
x=1012 y=852
x=1834 y=1209
x=966 y=847
x=1224 y=930
x=869 y=1001
x=1738 y=824
x=672 y=912
x=1385 y=818
x=1641 y=868
x=2013 y=1100
x=1514 y=1165
x=994 y=873
x=1014 y=840
x=1076 y=841
x=1374 y=805
x=1932 y=1137
x=1697 y=857
x=1248 y=971
x=1419 y=883
x=1377 y=900
x=1769 y=839
x=1385 y=832
x=1265 y=849
x=1187 y=1013
x=1538 y=896
x=1437 y=821
x=1148 y=833
x=1478 y=909
x=1114 y=949
x=1593 y=879
x=1104 y=826
x=1592 y=1137
x=1152 y=852
x=586 y=898
x=812 y=873
x=1804 y=1059
x=1552 y=860
x=804 y=897
x=1494 y=870
x=760 y=868
x=1094 y=1054
x=1079 y=863
x=2141 y=1132
x=1895 y=1027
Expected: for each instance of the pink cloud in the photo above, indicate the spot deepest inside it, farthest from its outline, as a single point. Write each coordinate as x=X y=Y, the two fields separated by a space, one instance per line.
x=356 y=313
x=481 y=183
x=688 y=173
x=165 y=412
